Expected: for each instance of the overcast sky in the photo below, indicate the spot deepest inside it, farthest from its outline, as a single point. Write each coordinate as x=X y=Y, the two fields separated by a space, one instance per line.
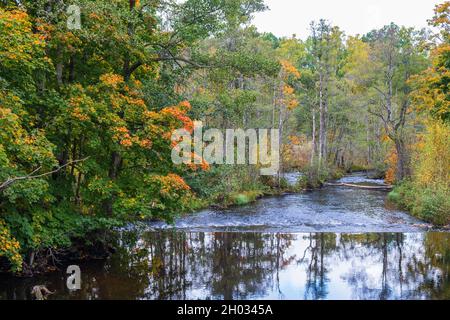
x=288 y=17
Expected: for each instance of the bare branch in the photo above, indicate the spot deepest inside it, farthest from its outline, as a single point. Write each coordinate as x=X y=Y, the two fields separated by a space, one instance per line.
x=377 y=114
x=178 y=59
x=31 y=175
x=380 y=91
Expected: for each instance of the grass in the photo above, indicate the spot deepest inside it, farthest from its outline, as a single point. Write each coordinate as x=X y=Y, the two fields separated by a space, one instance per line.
x=245 y=197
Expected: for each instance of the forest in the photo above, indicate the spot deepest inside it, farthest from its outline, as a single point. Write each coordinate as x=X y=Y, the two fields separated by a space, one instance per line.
x=87 y=113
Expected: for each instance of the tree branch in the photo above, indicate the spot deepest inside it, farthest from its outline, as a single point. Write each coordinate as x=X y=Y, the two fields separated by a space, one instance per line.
x=380 y=91
x=31 y=175
x=174 y=58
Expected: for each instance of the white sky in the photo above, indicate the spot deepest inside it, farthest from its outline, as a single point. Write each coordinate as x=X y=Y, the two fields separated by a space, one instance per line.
x=288 y=17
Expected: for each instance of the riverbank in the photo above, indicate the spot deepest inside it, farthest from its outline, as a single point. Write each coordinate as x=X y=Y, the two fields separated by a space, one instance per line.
x=431 y=204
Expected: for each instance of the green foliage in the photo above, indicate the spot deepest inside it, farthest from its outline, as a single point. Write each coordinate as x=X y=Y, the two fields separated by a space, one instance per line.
x=10 y=247
x=227 y=185
x=240 y=199
x=111 y=93
x=431 y=205
x=87 y=115
x=244 y=198
x=394 y=196
x=316 y=175
x=427 y=194
x=431 y=93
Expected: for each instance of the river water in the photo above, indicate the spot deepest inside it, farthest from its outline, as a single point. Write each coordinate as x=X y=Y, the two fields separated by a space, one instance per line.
x=332 y=243
x=330 y=209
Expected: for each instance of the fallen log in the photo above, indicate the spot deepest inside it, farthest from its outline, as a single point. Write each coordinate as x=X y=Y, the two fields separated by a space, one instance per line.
x=41 y=292
x=380 y=187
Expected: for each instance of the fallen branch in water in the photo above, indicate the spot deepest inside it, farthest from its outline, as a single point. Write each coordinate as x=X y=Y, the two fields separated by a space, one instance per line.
x=380 y=187
x=41 y=292
x=10 y=181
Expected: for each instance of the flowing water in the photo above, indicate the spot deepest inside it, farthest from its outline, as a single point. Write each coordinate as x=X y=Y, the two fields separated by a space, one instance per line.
x=332 y=243
x=330 y=209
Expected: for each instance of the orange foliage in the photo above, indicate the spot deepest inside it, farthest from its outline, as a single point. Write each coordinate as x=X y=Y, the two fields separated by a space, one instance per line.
x=290 y=69
x=203 y=165
x=171 y=183
x=145 y=143
x=442 y=12
x=78 y=114
x=287 y=90
x=391 y=161
x=179 y=113
x=122 y=135
x=292 y=104
x=112 y=80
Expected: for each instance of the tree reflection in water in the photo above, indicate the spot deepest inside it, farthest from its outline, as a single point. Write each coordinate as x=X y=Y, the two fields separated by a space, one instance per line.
x=221 y=265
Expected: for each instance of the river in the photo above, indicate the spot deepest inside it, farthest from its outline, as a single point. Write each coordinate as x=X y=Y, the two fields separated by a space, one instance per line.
x=332 y=243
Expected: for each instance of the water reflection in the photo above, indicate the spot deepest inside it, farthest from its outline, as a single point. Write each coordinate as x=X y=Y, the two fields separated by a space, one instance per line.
x=180 y=265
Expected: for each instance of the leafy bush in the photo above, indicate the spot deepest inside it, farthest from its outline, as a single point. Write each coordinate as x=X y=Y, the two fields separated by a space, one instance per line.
x=227 y=185
x=317 y=175
x=427 y=194
x=10 y=247
x=431 y=205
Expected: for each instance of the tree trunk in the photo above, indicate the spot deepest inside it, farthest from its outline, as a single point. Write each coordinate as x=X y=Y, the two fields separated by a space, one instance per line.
x=402 y=160
x=321 y=121
x=314 y=142
x=280 y=144
x=116 y=161
x=325 y=123
x=59 y=73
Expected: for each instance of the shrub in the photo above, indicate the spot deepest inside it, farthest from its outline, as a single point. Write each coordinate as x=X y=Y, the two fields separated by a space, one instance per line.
x=317 y=175
x=10 y=248
x=394 y=196
x=432 y=205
